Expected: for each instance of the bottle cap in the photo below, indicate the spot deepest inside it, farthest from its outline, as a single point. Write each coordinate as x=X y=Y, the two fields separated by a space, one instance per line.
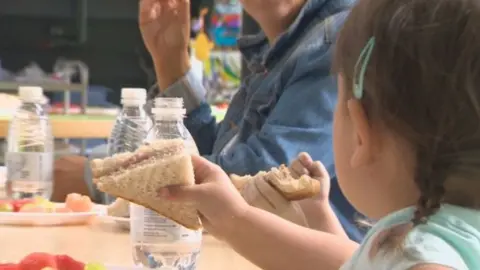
x=169 y=102
x=31 y=94
x=135 y=95
x=169 y=106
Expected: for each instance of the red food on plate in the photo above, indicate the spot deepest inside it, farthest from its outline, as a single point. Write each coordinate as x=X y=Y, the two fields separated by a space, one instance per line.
x=17 y=204
x=38 y=261
x=9 y=266
x=65 y=262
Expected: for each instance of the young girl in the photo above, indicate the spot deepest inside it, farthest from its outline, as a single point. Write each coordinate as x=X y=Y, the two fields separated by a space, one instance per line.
x=407 y=149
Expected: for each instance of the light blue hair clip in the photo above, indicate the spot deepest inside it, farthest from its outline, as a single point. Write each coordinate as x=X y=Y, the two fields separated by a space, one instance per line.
x=362 y=63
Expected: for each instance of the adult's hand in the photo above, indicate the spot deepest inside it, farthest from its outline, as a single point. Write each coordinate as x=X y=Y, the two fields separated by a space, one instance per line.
x=165 y=27
x=69 y=173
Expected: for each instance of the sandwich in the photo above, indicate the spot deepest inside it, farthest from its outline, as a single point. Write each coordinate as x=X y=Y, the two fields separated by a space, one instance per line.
x=282 y=180
x=119 y=208
x=137 y=176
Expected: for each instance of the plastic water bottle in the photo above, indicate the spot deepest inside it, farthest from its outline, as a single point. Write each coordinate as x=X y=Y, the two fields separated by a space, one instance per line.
x=158 y=242
x=132 y=125
x=29 y=156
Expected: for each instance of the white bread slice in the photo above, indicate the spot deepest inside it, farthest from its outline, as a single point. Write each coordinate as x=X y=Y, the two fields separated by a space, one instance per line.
x=159 y=148
x=119 y=208
x=136 y=177
x=240 y=181
x=291 y=188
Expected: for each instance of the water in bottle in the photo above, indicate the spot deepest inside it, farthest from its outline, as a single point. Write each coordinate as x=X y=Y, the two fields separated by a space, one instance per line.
x=132 y=124
x=29 y=155
x=158 y=242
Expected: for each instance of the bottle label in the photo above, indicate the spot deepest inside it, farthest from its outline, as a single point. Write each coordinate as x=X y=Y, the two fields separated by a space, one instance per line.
x=29 y=168
x=148 y=227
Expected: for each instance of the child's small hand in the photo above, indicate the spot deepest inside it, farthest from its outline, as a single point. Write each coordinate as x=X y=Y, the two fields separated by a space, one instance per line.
x=217 y=200
x=315 y=169
x=318 y=212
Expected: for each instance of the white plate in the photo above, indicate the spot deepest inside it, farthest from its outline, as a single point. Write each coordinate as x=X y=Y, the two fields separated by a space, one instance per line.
x=121 y=222
x=50 y=219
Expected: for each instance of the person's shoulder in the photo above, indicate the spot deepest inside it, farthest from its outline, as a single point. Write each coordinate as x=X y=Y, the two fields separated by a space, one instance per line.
x=315 y=49
x=420 y=248
x=430 y=244
x=325 y=29
x=440 y=241
x=450 y=238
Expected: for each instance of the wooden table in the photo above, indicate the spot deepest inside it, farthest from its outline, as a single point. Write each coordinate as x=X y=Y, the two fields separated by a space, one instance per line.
x=102 y=242
x=84 y=126
x=73 y=126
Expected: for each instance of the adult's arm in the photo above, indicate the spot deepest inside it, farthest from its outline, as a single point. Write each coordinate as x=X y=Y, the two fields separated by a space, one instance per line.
x=301 y=119
x=200 y=121
x=73 y=174
x=273 y=243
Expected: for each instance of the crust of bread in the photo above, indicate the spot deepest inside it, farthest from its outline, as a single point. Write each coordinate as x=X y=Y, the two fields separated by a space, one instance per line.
x=291 y=188
x=119 y=208
x=139 y=183
x=121 y=161
x=187 y=225
x=301 y=193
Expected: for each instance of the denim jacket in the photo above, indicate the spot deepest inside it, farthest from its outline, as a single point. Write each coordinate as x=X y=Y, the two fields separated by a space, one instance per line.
x=283 y=108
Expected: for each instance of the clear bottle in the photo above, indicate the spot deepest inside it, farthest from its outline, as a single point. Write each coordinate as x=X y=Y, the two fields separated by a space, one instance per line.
x=158 y=242
x=132 y=125
x=30 y=148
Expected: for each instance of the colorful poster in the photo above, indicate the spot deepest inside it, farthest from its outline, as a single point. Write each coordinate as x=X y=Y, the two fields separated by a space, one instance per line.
x=215 y=49
x=222 y=75
x=225 y=23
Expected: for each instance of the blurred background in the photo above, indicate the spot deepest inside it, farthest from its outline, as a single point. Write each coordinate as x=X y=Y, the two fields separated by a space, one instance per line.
x=82 y=52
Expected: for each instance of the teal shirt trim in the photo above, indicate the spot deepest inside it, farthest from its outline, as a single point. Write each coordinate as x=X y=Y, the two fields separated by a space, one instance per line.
x=450 y=238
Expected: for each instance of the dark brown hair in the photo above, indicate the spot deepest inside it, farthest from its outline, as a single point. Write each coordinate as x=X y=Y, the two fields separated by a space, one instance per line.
x=423 y=83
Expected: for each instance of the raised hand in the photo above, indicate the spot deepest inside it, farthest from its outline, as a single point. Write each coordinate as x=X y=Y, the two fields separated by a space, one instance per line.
x=165 y=24
x=165 y=28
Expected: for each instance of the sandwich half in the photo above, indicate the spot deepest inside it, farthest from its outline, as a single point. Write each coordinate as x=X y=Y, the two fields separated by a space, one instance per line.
x=137 y=176
x=290 y=187
x=119 y=208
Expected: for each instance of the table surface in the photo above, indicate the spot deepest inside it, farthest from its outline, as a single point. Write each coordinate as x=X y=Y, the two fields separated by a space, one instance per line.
x=102 y=242
x=84 y=126
x=72 y=126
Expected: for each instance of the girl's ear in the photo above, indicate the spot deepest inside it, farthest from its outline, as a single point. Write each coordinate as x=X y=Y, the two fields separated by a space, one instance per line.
x=363 y=134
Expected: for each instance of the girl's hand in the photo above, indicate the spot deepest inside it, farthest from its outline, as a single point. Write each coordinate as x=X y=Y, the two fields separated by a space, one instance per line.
x=315 y=169
x=217 y=200
x=317 y=210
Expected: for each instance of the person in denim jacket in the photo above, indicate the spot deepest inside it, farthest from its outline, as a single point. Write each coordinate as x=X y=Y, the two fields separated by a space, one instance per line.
x=283 y=108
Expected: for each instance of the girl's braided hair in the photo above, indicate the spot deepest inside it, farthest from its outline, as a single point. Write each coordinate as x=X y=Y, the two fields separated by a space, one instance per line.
x=422 y=82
